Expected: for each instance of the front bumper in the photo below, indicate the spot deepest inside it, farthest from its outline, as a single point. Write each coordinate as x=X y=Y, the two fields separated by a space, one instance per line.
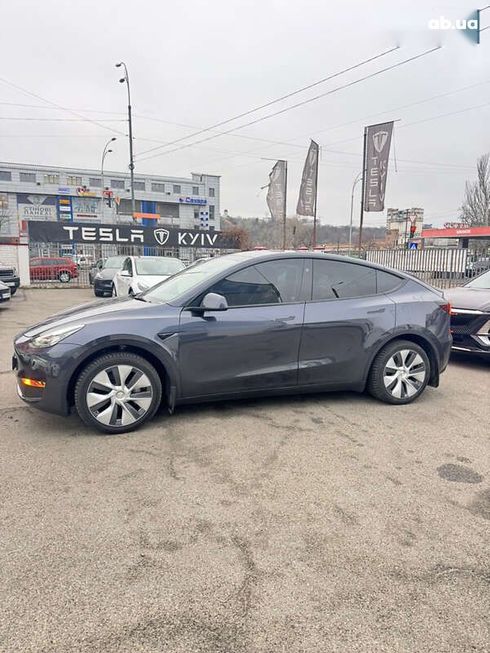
x=471 y=331
x=52 y=370
x=103 y=286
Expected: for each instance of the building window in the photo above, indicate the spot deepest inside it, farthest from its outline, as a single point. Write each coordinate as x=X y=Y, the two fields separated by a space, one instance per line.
x=196 y=214
x=28 y=177
x=51 y=179
x=157 y=187
x=195 y=190
x=139 y=185
x=5 y=176
x=72 y=180
x=211 y=192
x=177 y=189
x=117 y=183
x=211 y=212
x=94 y=181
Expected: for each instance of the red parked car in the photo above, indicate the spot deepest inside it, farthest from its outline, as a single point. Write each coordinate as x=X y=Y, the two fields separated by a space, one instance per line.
x=47 y=268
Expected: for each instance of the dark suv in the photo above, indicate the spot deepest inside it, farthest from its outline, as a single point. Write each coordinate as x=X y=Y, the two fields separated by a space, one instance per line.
x=245 y=324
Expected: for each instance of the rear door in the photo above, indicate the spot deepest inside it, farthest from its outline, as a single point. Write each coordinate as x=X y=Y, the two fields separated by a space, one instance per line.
x=253 y=345
x=346 y=319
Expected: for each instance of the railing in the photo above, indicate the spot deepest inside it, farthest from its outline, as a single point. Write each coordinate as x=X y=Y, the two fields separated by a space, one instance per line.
x=441 y=267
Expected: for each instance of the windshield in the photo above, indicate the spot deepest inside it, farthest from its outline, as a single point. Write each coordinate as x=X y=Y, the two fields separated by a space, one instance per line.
x=114 y=262
x=483 y=281
x=170 y=289
x=158 y=265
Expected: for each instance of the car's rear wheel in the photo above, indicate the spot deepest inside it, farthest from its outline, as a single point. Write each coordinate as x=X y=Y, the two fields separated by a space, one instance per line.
x=118 y=392
x=400 y=373
x=64 y=276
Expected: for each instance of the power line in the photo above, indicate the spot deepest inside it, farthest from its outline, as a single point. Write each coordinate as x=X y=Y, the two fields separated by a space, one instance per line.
x=299 y=104
x=28 y=119
x=279 y=99
x=54 y=104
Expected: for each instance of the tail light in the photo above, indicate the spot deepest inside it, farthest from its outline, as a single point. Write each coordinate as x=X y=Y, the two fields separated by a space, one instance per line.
x=446 y=308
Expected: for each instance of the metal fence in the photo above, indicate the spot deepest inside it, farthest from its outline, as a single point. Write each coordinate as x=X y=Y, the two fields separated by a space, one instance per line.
x=59 y=265
x=441 y=267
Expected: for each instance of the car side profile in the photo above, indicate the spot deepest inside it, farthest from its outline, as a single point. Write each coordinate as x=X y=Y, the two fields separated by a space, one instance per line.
x=50 y=268
x=241 y=325
x=139 y=273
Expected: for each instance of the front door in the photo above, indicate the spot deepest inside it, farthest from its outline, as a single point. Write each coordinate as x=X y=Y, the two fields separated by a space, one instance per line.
x=253 y=345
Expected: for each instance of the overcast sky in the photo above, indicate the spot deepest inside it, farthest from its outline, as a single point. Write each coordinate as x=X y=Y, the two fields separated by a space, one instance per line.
x=195 y=63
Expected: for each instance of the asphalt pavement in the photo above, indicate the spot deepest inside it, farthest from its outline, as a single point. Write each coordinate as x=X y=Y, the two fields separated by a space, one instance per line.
x=323 y=523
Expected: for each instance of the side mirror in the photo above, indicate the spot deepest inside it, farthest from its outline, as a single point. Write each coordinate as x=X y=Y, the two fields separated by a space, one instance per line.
x=125 y=273
x=214 y=302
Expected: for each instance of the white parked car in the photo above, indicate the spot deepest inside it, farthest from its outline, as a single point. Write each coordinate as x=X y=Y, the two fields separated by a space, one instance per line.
x=139 y=273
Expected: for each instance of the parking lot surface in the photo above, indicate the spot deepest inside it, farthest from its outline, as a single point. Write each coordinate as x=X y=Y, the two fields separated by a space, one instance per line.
x=319 y=523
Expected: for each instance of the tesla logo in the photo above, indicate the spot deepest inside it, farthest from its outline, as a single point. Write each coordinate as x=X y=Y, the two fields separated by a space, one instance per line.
x=379 y=140
x=161 y=236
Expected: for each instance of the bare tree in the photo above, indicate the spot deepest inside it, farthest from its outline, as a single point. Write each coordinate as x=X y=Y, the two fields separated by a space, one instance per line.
x=5 y=214
x=475 y=210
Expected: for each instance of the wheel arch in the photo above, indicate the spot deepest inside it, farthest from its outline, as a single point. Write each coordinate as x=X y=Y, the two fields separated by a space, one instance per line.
x=169 y=380
x=420 y=340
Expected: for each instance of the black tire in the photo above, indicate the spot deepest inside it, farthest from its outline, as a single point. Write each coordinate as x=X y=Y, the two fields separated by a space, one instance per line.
x=13 y=291
x=64 y=276
x=379 y=371
x=113 y=291
x=99 y=365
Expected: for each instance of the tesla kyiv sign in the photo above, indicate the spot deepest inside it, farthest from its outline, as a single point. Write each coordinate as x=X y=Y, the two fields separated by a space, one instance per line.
x=79 y=232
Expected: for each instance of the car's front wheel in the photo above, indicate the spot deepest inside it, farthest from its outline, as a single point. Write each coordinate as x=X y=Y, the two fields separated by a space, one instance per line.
x=118 y=392
x=400 y=373
x=114 y=291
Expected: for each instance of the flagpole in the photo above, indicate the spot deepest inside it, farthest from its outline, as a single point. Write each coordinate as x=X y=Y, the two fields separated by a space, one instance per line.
x=285 y=205
x=316 y=198
x=363 y=188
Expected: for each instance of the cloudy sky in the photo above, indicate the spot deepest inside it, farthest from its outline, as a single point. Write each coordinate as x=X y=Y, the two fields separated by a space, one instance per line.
x=196 y=63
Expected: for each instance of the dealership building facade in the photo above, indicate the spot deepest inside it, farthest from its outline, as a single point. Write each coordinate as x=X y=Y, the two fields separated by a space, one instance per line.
x=185 y=210
x=29 y=192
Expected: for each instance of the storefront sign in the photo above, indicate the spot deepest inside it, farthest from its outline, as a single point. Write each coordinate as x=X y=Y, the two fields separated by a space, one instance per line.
x=57 y=232
x=192 y=200
x=36 y=207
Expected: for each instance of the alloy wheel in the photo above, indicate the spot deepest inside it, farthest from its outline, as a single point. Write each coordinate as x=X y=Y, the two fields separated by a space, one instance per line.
x=404 y=374
x=64 y=277
x=119 y=395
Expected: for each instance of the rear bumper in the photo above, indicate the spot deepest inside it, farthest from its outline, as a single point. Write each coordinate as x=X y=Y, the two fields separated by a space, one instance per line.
x=12 y=282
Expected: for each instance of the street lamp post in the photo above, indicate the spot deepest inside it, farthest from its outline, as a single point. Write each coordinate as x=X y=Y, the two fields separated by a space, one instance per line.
x=356 y=181
x=131 y=160
x=105 y=152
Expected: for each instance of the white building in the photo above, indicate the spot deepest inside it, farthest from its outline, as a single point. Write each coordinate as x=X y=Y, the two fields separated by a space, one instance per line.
x=399 y=221
x=31 y=192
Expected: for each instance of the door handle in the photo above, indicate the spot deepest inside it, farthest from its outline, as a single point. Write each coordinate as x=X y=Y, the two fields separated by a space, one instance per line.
x=377 y=310
x=284 y=319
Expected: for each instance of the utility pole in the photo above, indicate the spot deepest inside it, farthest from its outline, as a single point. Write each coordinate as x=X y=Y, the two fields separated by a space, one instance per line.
x=363 y=189
x=130 y=122
x=356 y=181
x=285 y=205
x=105 y=152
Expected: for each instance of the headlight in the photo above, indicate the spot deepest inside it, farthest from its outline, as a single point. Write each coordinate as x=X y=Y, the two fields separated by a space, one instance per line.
x=52 y=337
x=98 y=276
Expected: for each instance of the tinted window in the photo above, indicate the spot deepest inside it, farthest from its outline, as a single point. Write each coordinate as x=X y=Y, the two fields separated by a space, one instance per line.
x=267 y=283
x=386 y=282
x=247 y=287
x=286 y=276
x=334 y=279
